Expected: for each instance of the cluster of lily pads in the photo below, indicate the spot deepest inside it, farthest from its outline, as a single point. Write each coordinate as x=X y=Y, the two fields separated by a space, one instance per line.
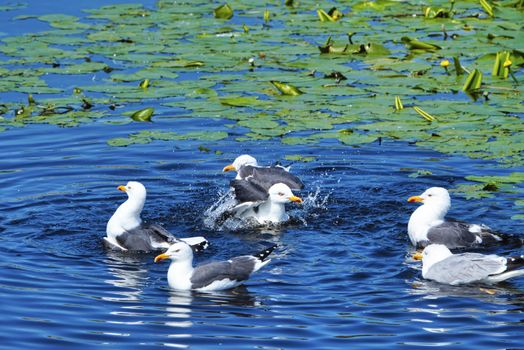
x=444 y=76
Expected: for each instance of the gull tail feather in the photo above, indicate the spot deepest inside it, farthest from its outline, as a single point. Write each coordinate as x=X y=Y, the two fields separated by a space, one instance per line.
x=262 y=255
x=504 y=276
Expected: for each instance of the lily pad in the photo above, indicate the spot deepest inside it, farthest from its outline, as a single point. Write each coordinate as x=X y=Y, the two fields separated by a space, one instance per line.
x=143 y=115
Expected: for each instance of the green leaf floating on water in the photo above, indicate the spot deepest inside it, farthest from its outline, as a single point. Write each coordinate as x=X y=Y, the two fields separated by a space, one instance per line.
x=365 y=50
x=473 y=81
x=178 y=64
x=513 y=178
x=148 y=136
x=223 y=12
x=286 y=89
x=413 y=44
x=196 y=64
x=143 y=115
x=242 y=101
x=299 y=158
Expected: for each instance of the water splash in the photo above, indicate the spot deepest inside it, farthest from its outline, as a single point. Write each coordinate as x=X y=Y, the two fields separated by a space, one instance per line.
x=218 y=216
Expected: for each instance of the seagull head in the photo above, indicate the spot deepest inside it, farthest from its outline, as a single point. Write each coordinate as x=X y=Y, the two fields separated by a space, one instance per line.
x=241 y=161
x=432 y=254
x=436 y=197
x=135 y=191
x=281 y=193
x=179 y=251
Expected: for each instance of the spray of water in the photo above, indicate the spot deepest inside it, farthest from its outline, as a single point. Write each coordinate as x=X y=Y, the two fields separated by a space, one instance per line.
x=218 y=217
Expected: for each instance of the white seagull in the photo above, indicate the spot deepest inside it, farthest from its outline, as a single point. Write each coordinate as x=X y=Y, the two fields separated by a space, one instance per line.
x=427 y=224
x=439 y=264
x=247 y=168
x=125 y=230
x=213 y=276
x=264 y=206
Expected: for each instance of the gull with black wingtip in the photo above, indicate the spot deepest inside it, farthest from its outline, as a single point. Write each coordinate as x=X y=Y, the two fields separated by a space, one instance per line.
x=428 y=225
x=213 y=276
x=126 y=232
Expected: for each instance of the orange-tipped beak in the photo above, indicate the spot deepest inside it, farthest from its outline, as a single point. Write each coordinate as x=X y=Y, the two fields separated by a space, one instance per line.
x=295 y=199
x=415 y=199
x=161 y=257
x=417 y=256
x=121 y=188
x=229 y=167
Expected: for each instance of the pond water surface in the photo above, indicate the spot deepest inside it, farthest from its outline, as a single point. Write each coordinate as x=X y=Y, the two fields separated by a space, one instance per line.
x=341 y=276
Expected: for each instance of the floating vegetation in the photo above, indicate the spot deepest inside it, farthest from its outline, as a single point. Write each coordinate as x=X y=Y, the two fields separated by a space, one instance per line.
x=223 y=11
x=286 y=89
x=424 y=114
x=143 y=115
x=148 y=136
x=198 y=61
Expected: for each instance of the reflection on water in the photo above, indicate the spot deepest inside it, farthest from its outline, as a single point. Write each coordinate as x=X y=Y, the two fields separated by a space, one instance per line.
x=178 y=310
x=504 y=294
x=129 y=275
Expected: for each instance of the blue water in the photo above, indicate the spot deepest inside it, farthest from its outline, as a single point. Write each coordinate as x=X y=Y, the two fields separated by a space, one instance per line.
x=342 y=275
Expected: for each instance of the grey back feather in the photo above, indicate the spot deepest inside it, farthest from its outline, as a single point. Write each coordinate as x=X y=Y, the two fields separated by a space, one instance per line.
x=453 y=234
x=456 y=234
x=247 y=191
x=237 y=269
x=466 y=268
x=142 y=237
x=265 y=177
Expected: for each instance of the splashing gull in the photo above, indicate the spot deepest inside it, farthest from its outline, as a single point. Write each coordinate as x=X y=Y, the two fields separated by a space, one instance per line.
x=213 y=276
x=125 y=230
x=264 y=206
x=427 y=224
x=247 y=168
x=439 y=264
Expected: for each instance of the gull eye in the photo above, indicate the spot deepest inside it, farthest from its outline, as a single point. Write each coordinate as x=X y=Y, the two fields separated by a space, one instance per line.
x=128 y=187
x=429 y=195
x=176 y=251
x=280 y=193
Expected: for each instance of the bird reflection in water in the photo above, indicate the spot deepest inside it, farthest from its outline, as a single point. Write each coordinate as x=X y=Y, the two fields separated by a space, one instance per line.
x=499 y=294
x=129 y=274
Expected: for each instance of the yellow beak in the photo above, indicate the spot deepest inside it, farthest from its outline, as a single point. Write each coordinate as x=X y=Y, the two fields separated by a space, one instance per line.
x=161 y=257
x=229 y=167
x=295 y=199
x=415 y=199
x=417 y=256
x=121 y=188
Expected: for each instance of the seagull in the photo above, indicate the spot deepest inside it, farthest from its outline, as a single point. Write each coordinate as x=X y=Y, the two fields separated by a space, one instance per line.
x=427 y=224
x=439 y=264
x=264 y=206
x=247 y=168
x=126 y=232
x=213 y=276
